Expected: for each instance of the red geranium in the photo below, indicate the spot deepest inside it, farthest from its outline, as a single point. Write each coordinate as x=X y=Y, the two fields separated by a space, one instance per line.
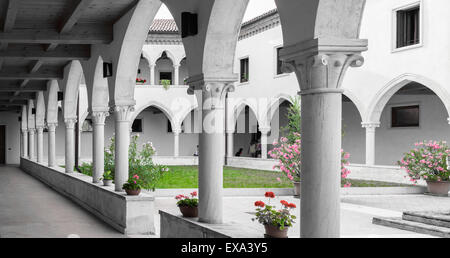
x=270 y=195
x=260 y=204
x=292 y=205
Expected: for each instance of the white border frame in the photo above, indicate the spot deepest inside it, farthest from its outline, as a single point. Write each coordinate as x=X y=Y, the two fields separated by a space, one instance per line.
x=394 y=48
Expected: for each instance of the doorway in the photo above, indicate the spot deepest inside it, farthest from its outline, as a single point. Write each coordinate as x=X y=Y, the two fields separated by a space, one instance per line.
x=2 y=144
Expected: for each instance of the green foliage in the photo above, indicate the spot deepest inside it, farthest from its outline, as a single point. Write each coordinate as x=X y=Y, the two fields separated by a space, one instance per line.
x=187 y=201
x=166 y=84
x=133 y=183
x=292 y=129
x=107 y=175
x=267 y=214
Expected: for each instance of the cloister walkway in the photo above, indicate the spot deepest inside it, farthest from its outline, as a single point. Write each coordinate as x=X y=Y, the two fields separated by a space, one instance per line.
x=29 y=208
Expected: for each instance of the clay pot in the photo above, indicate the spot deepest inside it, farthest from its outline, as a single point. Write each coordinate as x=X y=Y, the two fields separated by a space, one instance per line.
x=189 y=212
x=276 y=232
x=296 y=188
x=133 y=192
x=438 y=188
x=107 y=182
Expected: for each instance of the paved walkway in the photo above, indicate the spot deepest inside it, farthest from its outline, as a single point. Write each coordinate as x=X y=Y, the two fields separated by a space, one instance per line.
x=28 y=208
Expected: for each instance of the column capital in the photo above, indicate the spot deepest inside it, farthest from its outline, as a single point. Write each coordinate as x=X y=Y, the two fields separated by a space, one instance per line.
x=320 y=64
x=31 y=130
x=70 y=122
x=176 y=132
x=52 y=126
x=265 y=130
x=213 y=89
x=176 y=66
x=24 y=130
x=370 y=125
x=99 y=117
x=123 y=113
x=40 y=128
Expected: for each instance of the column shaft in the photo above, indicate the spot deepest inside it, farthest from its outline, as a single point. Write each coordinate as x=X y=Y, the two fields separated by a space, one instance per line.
x=370 y=145
x=122 y=142
x=321 y=182
x=52 y=145
x=230 y=144
x=176 y=144
x=152 y=75
x=40 y=144
x=70 y=145
x=25 y=143
x=264 y=145
x=176 y=69
x=31 y=143
x=98 y=147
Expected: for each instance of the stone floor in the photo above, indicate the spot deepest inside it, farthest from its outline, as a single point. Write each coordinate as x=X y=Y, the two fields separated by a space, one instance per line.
x=28 y=208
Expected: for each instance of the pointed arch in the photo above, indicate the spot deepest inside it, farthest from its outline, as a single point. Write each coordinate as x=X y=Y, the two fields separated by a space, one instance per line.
x=358 y=104
x=52 y=101
x=391 y=88
x=158 y=105
x=71 y=83
x=40 y=109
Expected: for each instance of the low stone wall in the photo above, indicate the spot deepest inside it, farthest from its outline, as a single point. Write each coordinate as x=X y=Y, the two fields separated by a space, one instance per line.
x=176 y=161
x=390 y=174
x=131 y=215
x=175 y=226
x=251 y=163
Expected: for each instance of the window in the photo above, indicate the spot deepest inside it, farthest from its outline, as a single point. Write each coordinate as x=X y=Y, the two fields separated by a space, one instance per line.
x=408 y=27
x=169 y=126
x=137 y=126
x=279 y=62
x=244 y=70
x=405 y=116
x=165 y=76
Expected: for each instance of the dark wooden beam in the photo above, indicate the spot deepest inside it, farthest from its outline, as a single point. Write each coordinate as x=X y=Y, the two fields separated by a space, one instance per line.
x=71 y=19
x=45 y=73
x=80 y=34
x=11 y=13
x=33 y=86
x=35 y=52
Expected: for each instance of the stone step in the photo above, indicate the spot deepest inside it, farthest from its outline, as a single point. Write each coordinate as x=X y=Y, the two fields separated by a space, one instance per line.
x=440 y=219
x=413 y=226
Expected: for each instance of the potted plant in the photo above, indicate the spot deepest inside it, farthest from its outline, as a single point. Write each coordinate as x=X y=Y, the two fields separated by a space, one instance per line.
x=429 y=161
x=107 y=178
x=133 y=185
x=276 y=221
x=139 y=80
x=188 y=205
x=166 y=84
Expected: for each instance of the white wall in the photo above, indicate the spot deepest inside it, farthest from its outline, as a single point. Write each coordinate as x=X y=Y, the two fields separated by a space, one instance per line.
x=12 y=136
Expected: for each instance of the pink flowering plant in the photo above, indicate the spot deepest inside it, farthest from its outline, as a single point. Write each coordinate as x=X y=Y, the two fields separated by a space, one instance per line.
x=134 y=183
x=187 y=201
x=428 y=160
x=288 y=155
x=345 y=171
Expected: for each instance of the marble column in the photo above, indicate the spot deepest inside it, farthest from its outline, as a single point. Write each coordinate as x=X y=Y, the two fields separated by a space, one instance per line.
x=264 y=133
x=152 y=75
x=52 y=144
x=211 y=97
x=70 y=144
x=25 y=143
x=31 y=144
x=370 y=142
x=230 y=144
x=176 y=76
x=40 y=144
x=98 y=147
x=320 y=65
x=176 y=143
x=122 y=117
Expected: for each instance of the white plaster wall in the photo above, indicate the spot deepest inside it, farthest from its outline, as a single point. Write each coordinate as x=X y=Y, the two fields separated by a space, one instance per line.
x=12 y=136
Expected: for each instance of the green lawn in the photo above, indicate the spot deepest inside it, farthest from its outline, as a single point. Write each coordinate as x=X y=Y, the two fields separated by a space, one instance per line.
x=186 y=177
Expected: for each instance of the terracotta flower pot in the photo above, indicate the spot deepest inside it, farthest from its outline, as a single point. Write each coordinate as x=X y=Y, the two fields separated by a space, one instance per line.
x=276 y=232
x=133 y=192
x=438 y=188
x=296 y=188
x=189 y=212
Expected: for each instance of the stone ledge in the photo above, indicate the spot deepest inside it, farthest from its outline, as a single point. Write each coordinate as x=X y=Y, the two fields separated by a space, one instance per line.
x=176 y=226
x=128 y=214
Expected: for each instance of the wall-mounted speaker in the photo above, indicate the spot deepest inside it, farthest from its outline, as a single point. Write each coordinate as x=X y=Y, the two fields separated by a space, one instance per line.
x=107 y=70
x=20 y=119
x=60 y=96
x=189 y=24
x=33 y=111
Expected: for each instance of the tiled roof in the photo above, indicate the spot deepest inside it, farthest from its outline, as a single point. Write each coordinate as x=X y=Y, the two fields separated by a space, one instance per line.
x=164 y=25
x=169 y=25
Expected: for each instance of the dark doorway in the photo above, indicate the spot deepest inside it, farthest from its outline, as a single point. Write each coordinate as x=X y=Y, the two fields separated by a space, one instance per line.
x=2 y=144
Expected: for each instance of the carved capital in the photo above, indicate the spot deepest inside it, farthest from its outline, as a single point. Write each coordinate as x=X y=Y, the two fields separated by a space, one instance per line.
x=99 y=117
x=70 y=122
x=371 y=125
x=52 y=127
x=40 y=129
x=320 y=64
x=213 y=89
x=32 y=131
x=123 y=113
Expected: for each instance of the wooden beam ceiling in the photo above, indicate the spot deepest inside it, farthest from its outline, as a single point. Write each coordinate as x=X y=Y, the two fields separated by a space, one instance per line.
x=33 y=86
x=17 y=73
x=36 y=52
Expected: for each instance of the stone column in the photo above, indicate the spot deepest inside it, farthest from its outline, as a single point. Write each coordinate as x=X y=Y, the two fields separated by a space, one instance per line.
x=152 y=75
x=98 y=147
x=320 y=65
x=70 y=144
x=40 y=144
x=264 y=133
x=122 y=116
x=230 y=144
x=31 y=144
x=52 y=144
x=176 y=143
x=176 y=76
x=211 y=96
x=25 y=143
x=370 y=142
